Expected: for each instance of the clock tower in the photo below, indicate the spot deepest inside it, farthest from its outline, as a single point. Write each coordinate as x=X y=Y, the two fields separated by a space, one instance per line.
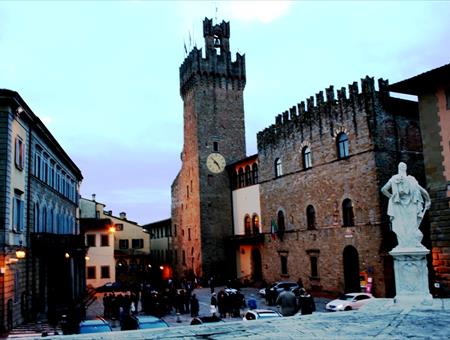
x=211 y=86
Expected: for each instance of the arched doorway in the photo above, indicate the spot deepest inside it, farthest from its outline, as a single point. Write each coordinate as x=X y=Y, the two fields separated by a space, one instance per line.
x=256 y=265
x=351 y=269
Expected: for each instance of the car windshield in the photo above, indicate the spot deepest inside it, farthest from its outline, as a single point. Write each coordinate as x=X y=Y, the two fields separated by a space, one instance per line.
x=346 y=297
x=94 y=328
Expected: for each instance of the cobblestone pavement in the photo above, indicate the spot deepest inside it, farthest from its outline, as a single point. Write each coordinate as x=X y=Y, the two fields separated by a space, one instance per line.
x=381 y=319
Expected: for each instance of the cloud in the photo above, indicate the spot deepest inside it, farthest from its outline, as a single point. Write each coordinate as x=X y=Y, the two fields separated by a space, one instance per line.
x=47 y=120
x=263 y=11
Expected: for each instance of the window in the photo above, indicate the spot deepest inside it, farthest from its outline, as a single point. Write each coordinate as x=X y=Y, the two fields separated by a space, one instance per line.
x=50 y=221
x=184 y=257
x=255 y=224
x=284 y=265
x=19 y=153
x=104 y=272
x=90 y=240
x=18 y=208
x=314 y=271
x=37 y=220
x=306 y=157
x=241 y=178
x=104 y=240
x=310 y=217
x=255 y=173
x=215 y=146
x=175 y=230
x=278 y=168
x=118 y=226
x=342 y=146
x=280 y=222
x=189 y=234
x=137 y=243
x=248 y=176
x=90 y=271
x=347 y=213
x=123 y=244
x=247 y=225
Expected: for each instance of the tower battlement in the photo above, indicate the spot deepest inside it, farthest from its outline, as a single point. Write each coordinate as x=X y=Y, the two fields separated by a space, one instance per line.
x=325 y=110
x=217 y=63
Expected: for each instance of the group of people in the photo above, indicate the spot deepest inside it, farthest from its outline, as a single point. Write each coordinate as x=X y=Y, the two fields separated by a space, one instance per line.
x=290 y=303
x=115 y=305
x=227 y=302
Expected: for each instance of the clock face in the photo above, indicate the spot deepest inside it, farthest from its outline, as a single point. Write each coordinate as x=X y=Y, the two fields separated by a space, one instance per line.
x=215 y=163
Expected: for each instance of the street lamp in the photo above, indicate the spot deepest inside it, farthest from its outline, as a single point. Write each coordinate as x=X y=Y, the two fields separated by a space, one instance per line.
x=20 y=251
x=66 y=255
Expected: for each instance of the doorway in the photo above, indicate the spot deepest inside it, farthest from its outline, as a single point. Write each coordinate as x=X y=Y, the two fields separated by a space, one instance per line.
x=351 y=269
x=256 y=265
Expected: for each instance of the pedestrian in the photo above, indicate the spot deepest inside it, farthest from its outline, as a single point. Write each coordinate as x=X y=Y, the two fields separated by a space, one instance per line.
x=195 y=306
x=288 y=302
x=251 y=303
x=213 y=306
x=306 y=303
x=211 y=284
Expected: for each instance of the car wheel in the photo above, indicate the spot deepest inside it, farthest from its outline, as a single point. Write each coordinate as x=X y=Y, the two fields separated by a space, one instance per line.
x=348 y=308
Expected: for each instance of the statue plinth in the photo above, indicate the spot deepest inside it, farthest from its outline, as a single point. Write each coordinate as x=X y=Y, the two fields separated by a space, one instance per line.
x=411 y=276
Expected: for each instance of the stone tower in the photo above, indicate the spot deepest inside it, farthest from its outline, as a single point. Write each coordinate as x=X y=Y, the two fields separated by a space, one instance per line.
x=211 y=87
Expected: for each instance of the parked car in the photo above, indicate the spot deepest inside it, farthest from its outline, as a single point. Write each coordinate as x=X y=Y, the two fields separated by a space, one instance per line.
x=256 y=314
x=149 y=321
x=98 y=325
x=271 y=292
x=198 y=320
x=349 y=301
x=111 y=287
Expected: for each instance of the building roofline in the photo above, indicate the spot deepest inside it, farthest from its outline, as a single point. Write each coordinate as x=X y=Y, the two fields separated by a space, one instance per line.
x=422 y=82
x=41 y=129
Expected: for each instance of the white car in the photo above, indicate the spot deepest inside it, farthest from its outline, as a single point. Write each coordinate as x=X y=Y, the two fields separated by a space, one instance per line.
x=257 y=314
x=349 y=301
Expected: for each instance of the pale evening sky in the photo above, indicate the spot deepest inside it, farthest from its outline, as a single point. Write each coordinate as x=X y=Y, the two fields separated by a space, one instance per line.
x=103 y=75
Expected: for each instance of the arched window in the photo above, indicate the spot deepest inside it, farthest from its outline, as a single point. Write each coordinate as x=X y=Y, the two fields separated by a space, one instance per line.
x=241 y=179
x=37 y=220
x=247 y=225
x=342 y=145
x=278 y=168
x=50 y=220
x=280 y=222
x=248 y=176
x=311 y=217
x=255 y=224
x=255 y=173
x=44 y=220
x=347 y=213
x=306 y=157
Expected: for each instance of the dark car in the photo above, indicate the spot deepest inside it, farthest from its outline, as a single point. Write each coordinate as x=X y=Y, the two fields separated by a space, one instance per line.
x=205 y=319
x=94 y=326
x=271 y=292
x=111 y=287
x=142 y=322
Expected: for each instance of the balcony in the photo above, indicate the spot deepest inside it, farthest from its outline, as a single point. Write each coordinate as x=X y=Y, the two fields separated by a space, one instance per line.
x=247 y=239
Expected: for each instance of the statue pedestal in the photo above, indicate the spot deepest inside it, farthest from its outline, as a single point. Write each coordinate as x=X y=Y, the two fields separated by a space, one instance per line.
x=411 y=276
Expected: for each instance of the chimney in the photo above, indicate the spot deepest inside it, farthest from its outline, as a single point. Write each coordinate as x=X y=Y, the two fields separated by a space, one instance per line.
x=93 y=197
x=109 y=212
x=123 y=215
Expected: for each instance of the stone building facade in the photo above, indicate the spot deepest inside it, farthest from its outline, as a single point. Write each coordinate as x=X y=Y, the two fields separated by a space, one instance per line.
x=214 y=135
x=38 y=214
x=321 y=167
x=433 y=91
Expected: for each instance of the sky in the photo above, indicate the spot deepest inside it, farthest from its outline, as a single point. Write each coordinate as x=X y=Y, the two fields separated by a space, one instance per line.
x=104 y=75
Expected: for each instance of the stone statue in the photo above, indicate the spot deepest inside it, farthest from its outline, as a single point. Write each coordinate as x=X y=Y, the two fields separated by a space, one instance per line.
x=408 y=202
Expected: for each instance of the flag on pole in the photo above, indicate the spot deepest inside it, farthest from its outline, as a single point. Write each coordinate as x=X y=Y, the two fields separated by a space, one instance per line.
x=273 y=229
